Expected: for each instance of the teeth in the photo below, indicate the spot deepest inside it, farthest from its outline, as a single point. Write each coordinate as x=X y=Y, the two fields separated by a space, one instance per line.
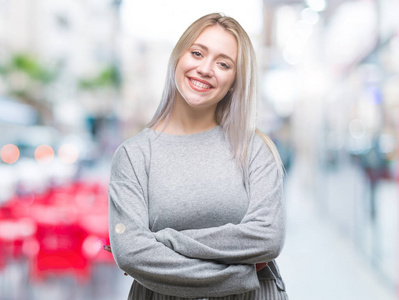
x=200 y=84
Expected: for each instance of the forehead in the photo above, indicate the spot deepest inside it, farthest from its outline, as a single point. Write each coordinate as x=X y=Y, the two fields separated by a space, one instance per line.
x=219 y=40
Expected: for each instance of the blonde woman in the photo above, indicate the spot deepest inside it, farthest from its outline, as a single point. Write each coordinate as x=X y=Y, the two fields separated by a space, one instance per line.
x=196 y=198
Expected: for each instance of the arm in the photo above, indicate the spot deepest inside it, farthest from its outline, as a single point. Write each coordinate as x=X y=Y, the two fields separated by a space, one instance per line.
x=154 y=265
x=260 y=235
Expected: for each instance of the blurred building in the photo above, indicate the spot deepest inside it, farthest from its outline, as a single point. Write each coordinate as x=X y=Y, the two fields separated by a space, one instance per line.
x=143 y=68
x=78 y=40
x=331 y=68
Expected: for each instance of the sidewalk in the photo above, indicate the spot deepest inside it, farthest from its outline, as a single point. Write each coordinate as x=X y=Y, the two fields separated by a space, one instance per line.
x=319 y=263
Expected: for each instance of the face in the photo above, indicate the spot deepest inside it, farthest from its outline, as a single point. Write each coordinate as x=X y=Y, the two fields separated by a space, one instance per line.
x=206 y=72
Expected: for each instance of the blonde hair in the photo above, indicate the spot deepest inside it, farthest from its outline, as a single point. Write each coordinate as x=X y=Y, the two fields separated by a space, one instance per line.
x=236 y=112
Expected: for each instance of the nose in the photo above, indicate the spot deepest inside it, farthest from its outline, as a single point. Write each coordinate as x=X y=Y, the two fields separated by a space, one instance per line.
x=205 y=68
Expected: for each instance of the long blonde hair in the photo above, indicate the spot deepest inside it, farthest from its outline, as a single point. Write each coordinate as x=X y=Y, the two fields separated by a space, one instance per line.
x=236 y=112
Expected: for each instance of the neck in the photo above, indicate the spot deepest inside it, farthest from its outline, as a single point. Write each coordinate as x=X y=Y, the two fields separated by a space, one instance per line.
x=185 y=119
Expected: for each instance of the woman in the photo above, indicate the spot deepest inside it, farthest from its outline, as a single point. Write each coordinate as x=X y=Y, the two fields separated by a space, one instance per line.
x=196 y=198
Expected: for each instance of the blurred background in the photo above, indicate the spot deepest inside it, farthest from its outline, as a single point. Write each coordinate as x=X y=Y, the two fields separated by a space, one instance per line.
x=77 y=77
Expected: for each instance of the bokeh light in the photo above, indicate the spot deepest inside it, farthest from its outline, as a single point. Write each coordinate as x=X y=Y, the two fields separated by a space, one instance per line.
x=310 y=16
x=92 y=245
x=9 y=153
x=357 y=128
x=317 y=5
x=68 y=153
x=44 y=154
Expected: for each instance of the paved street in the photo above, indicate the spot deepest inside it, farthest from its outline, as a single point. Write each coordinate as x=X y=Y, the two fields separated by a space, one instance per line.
x=318 y=262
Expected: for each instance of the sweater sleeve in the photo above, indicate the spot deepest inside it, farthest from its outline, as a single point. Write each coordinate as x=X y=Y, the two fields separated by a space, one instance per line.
x=138 y=253
x=259 y=237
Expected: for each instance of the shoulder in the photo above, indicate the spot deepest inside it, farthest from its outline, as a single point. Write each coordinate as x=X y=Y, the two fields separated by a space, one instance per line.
x=134 y=150
x=265 y=153
x=261 y=145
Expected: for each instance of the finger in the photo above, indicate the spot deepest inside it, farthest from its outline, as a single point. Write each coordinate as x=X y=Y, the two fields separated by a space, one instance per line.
x=107 y=248
x=260 y=266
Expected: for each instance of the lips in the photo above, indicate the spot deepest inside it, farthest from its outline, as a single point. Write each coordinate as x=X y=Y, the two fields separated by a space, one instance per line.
x=199 y=84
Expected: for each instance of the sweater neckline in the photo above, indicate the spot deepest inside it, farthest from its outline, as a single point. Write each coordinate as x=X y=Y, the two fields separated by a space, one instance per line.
x=183 y=137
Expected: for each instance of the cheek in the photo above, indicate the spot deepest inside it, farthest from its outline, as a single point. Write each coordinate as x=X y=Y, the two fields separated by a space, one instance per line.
x=230 y=80
x=185 y=63
x=179 y=69
x=180 y=75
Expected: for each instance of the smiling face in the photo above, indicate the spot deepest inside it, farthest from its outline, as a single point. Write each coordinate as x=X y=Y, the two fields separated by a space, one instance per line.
x=206 y=71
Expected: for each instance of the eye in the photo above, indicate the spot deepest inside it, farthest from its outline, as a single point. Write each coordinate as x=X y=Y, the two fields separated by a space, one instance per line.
x=224 y=65
x=196 y=53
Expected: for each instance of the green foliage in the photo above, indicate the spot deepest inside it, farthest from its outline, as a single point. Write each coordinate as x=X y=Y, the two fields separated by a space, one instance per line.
x=29 y=65
x=2 y=70
x=108 y=77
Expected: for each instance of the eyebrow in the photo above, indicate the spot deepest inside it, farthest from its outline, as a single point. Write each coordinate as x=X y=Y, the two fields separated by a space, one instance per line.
x=221 y=55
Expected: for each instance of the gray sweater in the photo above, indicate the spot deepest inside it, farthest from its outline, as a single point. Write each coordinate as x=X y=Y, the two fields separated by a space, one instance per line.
x=183 y=223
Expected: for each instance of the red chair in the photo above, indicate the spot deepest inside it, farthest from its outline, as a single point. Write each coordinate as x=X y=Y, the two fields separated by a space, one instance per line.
x=13 y=235
x=69 y=226
x=60 y=251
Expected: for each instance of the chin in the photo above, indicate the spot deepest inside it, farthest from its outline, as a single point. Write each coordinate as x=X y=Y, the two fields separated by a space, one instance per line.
x=193 y=101
x=200 y=105
x=195 y=104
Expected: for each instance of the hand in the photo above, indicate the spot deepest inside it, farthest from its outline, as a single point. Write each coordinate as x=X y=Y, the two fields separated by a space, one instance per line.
x=260 y=266
x=108 y=248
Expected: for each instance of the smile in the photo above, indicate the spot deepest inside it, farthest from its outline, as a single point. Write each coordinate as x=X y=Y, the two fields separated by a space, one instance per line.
x=200 y=86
